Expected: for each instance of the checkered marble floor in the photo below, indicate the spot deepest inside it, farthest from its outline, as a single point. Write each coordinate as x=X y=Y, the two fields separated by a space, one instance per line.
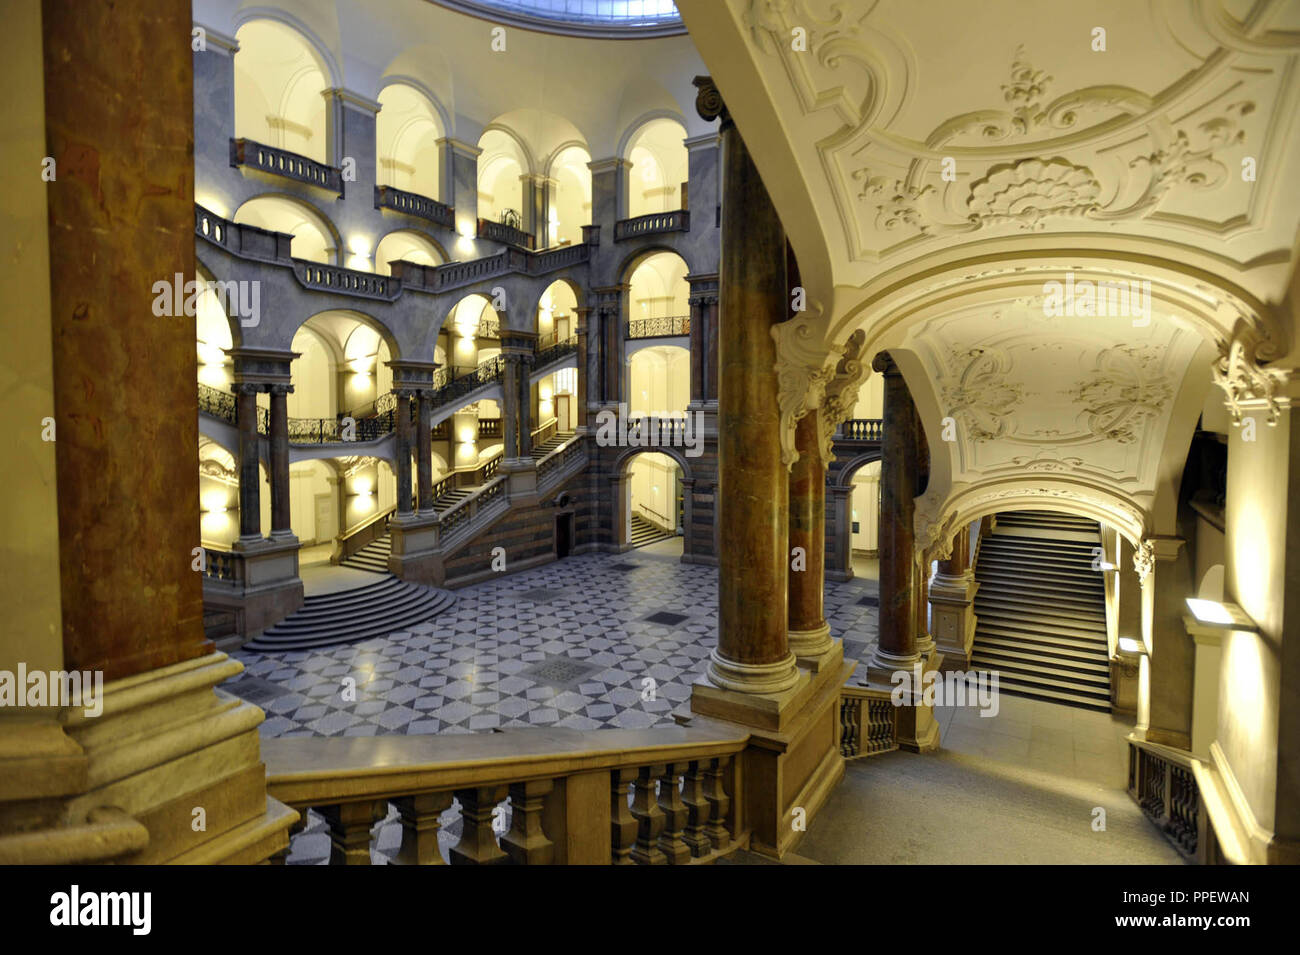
x=588 y=642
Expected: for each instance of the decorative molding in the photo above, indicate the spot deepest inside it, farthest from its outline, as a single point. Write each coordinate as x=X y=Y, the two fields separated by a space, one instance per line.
x=801 y=374
x=1144 y=558
x=1123 y=392
x=1028 y=191
x=1246 y=385
x=840 y=394
x=977 y=391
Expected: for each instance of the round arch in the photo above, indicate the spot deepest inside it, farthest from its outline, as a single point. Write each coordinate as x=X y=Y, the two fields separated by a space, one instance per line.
x=633 y=260
x=404 y=79
x=633 y=128
x=401 y=243
x=320 y=50
x=279 y=212
x=844 y=477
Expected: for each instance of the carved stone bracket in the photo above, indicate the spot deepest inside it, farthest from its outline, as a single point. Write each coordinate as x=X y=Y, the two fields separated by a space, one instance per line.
x=801 y=375
x=1144 y=558
x=841 y=392
x=1246 y=384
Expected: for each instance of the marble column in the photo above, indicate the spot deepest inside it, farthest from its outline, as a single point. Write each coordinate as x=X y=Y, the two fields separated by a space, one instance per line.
x=536 y=210
x=250 y=478
x=510 y=406
x=402 y=452
x=280 y=513
x=753 y=653
x=609 y=198
x=525 y=366
x=809 y=633
x=424 y=449
x=898 y=646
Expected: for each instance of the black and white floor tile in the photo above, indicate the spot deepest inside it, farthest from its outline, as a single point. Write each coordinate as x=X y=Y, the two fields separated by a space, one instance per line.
x=588 y=642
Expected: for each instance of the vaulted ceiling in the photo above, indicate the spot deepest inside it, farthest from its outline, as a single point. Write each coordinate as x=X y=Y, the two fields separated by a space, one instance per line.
x=942 y=164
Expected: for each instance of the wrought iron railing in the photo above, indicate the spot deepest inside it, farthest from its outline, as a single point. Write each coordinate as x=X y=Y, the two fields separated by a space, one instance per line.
x=448 y=388
x=664 y=327
x=679 y=220
x=414 y=204
x=282 y=162
x=553 y=353
x=1162 y=781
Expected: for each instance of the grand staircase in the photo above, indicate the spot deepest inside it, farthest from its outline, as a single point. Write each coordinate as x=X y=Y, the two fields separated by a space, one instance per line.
x=550 y=444
x=374 y=556
x=348 y=616
x=1041 y=610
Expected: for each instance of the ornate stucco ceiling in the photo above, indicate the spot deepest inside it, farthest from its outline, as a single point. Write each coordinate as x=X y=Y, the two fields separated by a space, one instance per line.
x=942 y=163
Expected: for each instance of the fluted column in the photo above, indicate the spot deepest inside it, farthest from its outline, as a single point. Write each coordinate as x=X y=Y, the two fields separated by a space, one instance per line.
x=402 y=452
x=897 y=648
x=280 y=512
x=424 y=449
x=250 y=479
x=809 y=633
x=753 y=653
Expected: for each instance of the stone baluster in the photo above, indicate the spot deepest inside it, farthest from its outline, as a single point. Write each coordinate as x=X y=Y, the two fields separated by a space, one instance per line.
x=648 y=815
x=526 y=842
x=671 y=842
x=698 y=809
x=478 y=841
x=421 y=817
x=622 y=824
x=715 y=792
x=349 y=825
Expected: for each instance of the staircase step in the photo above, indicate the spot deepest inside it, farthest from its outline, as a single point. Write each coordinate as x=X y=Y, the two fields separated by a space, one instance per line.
x=1013 y=629
x=1078 y=574
x=1087 y=592
x=1039 y=665
x=1031 y=608
x=1013 y=686
x=1091 y=654
x=353 y=615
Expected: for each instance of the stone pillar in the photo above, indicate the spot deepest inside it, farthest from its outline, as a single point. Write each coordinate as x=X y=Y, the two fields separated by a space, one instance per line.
x=702 y=173
x=214 y=110
x=525 y=405
x=250 y=478
x=402 y=452
x=952 y=604
x=839 y=562
x=1168 y=677
x=609 y=178
x=704 y=338
x=351 y=134
x=536 y=211
x=581 y=323
x=458 y=168
x=424 y=449
x=280 y=513
x=809 y=633
x=753 y=654
x=611 y=306
x=517 y=352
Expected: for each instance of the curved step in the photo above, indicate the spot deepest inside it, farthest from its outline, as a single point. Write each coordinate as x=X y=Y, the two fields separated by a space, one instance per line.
x=352 y=615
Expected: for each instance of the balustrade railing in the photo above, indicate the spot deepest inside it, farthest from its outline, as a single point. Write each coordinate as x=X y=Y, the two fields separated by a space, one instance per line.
x=558 y=258
x=654 y=431
x=621 y=797
x=489 y=428
x=335 y=278
x=220 y=565
x=664 y=327
x=500 y=232
x=558 y=462
x=679 y=220
x=868 y=722
x=413 y=204
x=465 y=510
x=281 y=162
x=1161 y=780
x=861 y=429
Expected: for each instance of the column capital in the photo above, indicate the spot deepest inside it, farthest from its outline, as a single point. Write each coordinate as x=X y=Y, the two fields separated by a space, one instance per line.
x=884 y=364
x=280 y=388
x=708 y=102
x=704 y=288
x=351 y=100
x=261 y=366
x=412 y=376
x=606 y=165
x=462 y=149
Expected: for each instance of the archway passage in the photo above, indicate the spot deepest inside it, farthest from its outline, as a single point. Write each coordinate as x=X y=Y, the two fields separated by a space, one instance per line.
x=864 y=521
x=1041 y=608
x=279 y=79
x=654 y=502
x=659 y=168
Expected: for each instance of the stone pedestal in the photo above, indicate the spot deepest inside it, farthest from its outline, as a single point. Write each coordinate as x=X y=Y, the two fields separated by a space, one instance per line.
x=952 y=605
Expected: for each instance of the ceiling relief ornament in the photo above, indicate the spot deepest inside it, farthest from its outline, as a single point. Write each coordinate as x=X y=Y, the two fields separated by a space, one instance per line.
x=1246 y=385
x=977 y=393
x=1043 y=462
x=841 y=392
x=1144 y=558
x=1124 y=391
x=1026 y=192
x=895 y=201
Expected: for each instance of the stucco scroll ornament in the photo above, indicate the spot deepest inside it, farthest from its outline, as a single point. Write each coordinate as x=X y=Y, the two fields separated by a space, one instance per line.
x=1244 y=382
x=1144 y=558
x=841 y=392
x=801 y=374
x=934 y=537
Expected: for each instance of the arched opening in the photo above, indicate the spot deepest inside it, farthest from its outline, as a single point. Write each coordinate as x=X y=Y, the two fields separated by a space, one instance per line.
x=313 y=236
x=864 y=521
x=406 y=245
x=218 y=495
x=656 y=181
x=556 y=318
x=407 y=131
x=214 y=336
x=501 y=163
x=279 y=79
x=657 y=297
x=653 y=503
x=470 y=335
x=342 y=369
x=570 y=207
x=659 y=381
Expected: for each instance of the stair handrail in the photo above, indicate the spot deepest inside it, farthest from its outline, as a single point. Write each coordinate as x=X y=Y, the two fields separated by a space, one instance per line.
x=588 y=771
x=368 y=531
x=462 y=517
x=550 y=427
x=555 y=462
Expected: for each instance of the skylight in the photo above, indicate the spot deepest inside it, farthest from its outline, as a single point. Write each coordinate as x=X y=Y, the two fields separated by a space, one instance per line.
x=581 y=17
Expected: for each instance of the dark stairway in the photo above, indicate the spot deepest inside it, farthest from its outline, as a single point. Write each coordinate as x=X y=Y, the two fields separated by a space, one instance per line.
x=643 y=532
x=348 y=616
x=550 y=444
x=1041 y=610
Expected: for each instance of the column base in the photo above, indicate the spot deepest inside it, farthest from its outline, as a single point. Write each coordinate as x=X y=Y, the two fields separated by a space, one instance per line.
x=951 y=610
x=784 y=689
x=808 y=645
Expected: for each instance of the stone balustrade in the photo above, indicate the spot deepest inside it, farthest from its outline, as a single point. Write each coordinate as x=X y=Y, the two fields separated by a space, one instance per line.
x=281 y=162
x=656 y=223
x=413 y=204
x=669 y=795
x=868 y=722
